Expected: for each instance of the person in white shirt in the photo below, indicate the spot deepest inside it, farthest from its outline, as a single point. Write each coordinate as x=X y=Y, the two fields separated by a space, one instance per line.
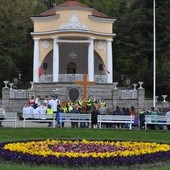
x=42 y=110
x=50 y=100
x=27 y=111
x=54 y=104
x=2 y=111
x=46 y=100
x=168 y=119
x=37 y=101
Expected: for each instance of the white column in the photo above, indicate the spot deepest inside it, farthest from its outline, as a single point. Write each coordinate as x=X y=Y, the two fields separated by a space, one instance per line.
x=55 y=59
x=91 y=60
x=109 y=61
x=36 y=60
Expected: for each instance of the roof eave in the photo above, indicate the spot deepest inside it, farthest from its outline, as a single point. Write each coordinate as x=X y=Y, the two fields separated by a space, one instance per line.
x=73 y=8
x=72 y=31
x=102 y=19
x=45 y=18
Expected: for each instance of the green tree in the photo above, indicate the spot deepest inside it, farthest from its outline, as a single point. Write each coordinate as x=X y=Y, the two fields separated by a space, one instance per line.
x=134 y=43
x=7 y=69
x=16 y=41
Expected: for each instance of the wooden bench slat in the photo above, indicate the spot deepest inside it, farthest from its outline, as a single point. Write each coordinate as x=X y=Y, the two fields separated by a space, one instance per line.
x=9 y=117
x=157 y=120
x=39 y=118
x=75 y=118
x=115 y=119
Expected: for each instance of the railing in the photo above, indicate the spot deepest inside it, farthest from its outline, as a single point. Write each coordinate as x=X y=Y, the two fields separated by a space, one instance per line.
x=127 y=94
x=46 y=78
x=19 y=94
x=72 y=78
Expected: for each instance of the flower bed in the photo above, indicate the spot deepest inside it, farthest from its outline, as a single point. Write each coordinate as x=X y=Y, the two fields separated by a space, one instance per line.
x=84 y=152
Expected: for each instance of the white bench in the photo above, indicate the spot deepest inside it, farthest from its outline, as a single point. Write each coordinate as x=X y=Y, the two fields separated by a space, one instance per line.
x=115 y=119
x=75 y=118
x=157 y=120
x=47 y=118
x=9 y=117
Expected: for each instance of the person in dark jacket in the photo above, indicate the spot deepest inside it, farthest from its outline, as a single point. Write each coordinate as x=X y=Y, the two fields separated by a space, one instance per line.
x=94 y=114
x=74 y=110
x=118 y=111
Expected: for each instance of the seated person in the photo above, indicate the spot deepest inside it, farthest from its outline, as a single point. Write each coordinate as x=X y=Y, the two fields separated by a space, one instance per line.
x=2 y=112
x=168 y=115
x=27 y=111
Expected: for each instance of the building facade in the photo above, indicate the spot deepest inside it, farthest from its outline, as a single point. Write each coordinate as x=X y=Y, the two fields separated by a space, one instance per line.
x=72 y=39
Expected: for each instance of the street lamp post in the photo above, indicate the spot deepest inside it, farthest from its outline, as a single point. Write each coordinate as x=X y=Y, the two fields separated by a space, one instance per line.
x=154 y=54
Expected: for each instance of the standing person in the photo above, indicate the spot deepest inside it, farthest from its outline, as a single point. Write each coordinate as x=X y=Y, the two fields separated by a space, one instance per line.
x=74 y=110
x=58 y=116
x=54 y=103
x=135 y=114
x=94 y=114
x=80 y=104
x=142 y=118
x=37 y=101
x=50 y=100
x=46 y=100
x=88 y=103
x=49 y=111
x=32 y=101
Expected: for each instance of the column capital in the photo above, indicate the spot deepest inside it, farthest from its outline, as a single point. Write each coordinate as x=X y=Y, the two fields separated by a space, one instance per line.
x=36 y=39
x=92 y=38
x=109 y=40
x=55 y=37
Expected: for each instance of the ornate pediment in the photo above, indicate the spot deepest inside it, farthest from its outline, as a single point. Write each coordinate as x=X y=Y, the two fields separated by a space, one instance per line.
x=74 y=23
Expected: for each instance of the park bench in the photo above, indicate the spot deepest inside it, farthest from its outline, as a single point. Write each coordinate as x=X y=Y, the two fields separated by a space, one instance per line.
x=124 y=119
x=156 y=120
x=76 y=118
x=47 y=118
x=9 y=117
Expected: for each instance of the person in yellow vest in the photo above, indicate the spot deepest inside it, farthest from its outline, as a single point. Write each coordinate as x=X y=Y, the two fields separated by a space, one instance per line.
x=88 y=103
x=49 y=111
x=70 y=106
x=80 y=104
x=64 y=107
x=103 y=104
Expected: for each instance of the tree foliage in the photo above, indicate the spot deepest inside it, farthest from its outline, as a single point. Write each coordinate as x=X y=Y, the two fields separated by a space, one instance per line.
x=134 y=44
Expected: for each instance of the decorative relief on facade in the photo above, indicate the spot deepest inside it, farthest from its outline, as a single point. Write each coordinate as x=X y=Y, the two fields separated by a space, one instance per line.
x=101 y=45
x=74 y=23
x=45 y=44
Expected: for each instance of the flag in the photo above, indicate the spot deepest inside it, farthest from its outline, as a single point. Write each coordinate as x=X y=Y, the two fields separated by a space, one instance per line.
x=106 y=71
x=40 y=70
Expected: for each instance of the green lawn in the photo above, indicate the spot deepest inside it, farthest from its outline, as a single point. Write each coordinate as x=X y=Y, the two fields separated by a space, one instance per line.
x=10 y=134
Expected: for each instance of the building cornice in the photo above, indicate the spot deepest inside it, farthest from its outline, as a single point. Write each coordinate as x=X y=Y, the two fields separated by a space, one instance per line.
x=71 y=31
x=103 y=20
x=45 y=18
x=73 y=8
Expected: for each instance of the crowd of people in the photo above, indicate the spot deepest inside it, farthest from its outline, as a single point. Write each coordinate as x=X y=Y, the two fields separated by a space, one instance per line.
x=52 y=105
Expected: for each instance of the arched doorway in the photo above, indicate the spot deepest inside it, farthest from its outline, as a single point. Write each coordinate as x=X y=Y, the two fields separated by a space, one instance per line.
x=71 y=68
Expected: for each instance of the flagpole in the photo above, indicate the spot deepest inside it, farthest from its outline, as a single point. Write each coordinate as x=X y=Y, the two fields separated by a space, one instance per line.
x=154 y=55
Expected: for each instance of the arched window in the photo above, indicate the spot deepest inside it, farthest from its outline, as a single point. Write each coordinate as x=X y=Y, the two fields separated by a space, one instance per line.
x=71 y=68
